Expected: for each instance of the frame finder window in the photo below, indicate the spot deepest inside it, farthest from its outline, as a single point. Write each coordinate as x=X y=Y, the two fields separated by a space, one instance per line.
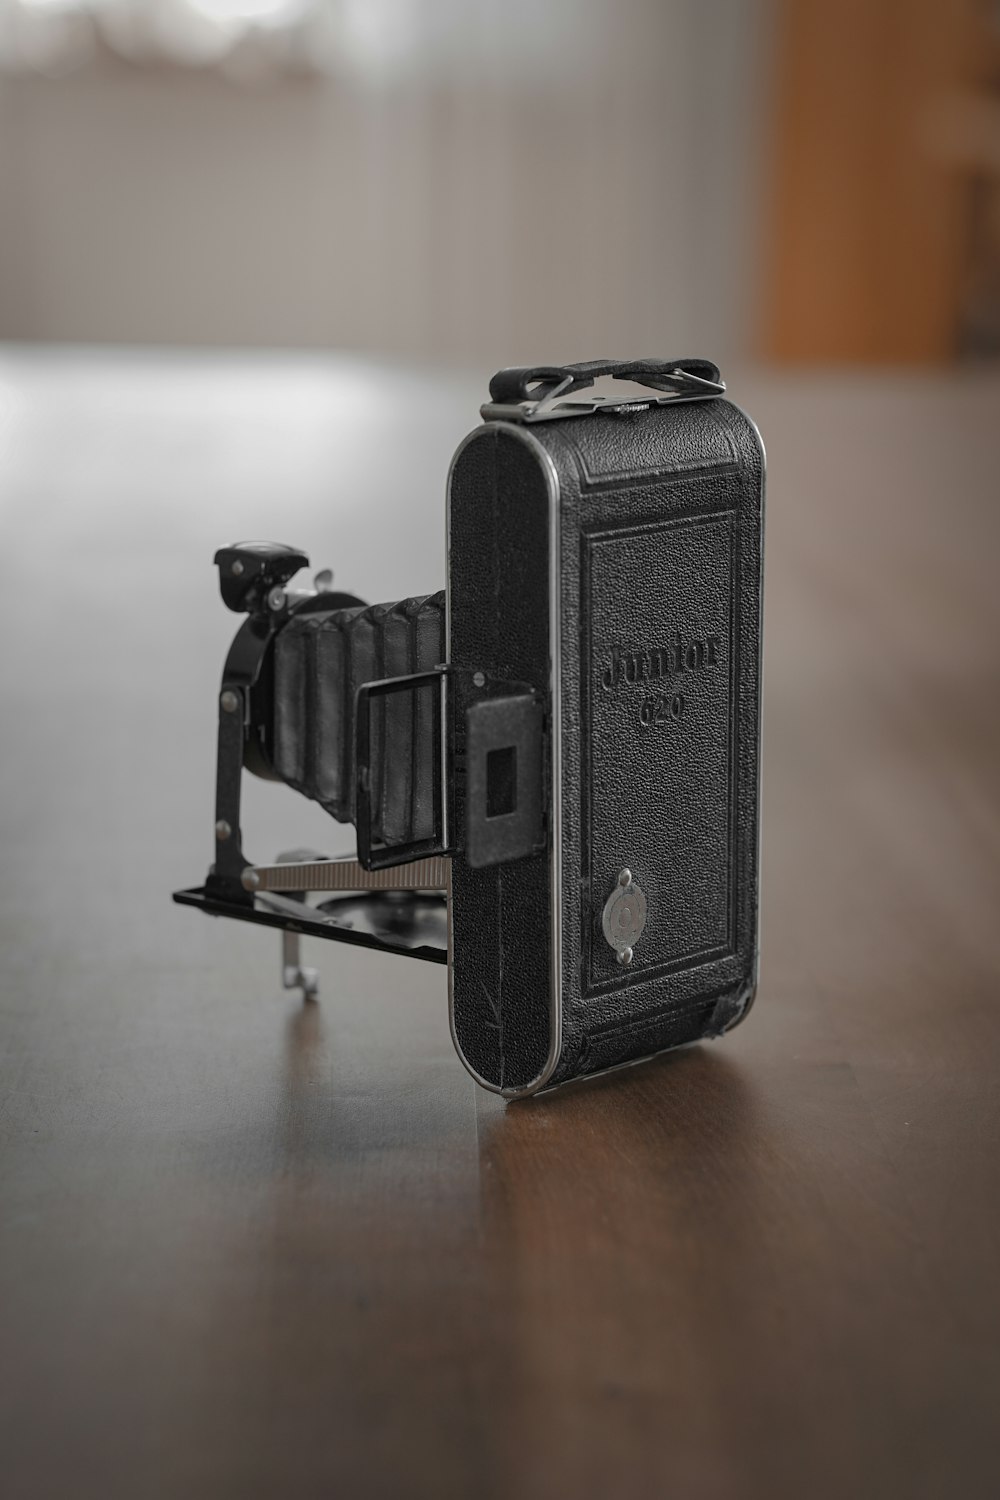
x=501 y=782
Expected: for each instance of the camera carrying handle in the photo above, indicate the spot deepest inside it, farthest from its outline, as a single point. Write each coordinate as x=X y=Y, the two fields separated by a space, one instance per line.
x=544 y=382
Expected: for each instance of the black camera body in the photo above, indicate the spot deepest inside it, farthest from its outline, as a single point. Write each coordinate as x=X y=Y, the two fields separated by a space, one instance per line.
x=554 y=770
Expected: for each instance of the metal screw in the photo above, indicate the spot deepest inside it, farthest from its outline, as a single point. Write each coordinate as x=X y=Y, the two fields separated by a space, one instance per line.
x=230 y=701
x=625 y=879
x=250 y=880
x=222 y=830
x=479 y=679
x=238 y=568
x=276 y=599
x=625 y=957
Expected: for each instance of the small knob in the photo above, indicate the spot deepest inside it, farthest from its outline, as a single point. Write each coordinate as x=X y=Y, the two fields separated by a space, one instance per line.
x=624 y=917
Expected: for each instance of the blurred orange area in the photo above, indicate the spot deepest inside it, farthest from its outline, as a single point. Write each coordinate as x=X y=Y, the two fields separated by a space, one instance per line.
x=884 y=229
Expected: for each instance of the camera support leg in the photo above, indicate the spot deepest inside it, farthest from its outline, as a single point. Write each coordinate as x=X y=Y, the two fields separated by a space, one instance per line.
x=299 y=872
x=298 y=875
x=293 y=975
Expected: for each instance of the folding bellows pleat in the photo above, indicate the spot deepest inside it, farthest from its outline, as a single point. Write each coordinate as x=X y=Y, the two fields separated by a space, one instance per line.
x=320 y=661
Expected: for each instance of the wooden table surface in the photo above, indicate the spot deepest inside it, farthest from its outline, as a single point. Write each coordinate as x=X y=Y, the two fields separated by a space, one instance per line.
x=256 y=1249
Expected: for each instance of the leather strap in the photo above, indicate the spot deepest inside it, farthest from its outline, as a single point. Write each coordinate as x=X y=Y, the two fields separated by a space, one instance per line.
x=535 y=382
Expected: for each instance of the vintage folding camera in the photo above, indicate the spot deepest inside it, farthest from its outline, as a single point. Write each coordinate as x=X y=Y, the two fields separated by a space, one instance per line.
x=553 y=766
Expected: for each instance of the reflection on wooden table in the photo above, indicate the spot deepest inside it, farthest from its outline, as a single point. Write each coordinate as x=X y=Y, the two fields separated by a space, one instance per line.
x=251 y=1247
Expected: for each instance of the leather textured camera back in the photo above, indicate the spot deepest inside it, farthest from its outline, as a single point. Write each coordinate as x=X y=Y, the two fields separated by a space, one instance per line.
x=613 y=562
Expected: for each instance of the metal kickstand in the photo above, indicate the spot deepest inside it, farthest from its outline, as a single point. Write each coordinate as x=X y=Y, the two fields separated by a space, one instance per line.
x=293 y=975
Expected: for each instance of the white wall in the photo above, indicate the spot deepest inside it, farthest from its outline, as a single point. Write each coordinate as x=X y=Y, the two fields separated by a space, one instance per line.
x=606 y=206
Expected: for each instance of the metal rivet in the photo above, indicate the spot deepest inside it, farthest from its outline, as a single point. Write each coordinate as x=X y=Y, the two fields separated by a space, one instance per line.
x=238 y=568
x=625 y=957
x=625 y=877
x=276 y=599
x=250 y=880
x=222 y=830
x=230 y=701
x=479 y=679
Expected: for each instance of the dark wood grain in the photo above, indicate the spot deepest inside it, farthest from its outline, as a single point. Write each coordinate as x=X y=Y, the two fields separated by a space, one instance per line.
x=253 y=1248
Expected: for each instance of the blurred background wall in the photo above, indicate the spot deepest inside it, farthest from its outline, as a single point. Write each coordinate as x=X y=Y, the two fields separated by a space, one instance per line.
x=462 y=179
x=454 y=179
